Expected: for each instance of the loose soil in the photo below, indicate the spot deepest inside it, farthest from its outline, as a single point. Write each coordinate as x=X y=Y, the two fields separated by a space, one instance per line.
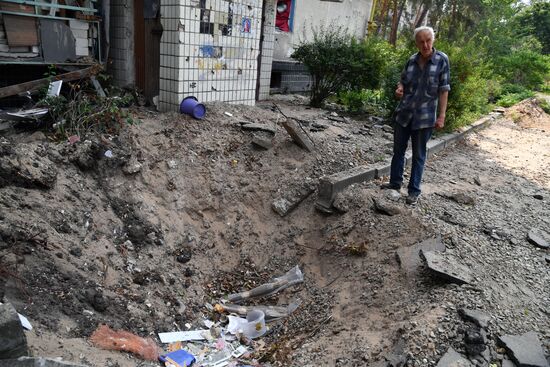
x=181 y=215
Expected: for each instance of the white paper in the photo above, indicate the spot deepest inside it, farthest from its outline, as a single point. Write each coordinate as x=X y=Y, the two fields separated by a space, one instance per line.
x=183 y=336
x=24 y=322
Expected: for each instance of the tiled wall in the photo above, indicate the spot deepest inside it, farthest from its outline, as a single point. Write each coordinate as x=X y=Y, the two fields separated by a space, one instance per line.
x=209 y=49
x=267 y=49
x=121 y=50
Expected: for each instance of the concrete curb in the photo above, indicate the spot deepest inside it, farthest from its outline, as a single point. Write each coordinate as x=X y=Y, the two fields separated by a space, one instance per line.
x=330 y=186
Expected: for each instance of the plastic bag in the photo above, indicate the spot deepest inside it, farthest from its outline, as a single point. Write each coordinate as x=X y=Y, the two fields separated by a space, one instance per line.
x=107 y=338
x=293 y=276
x=272 y=313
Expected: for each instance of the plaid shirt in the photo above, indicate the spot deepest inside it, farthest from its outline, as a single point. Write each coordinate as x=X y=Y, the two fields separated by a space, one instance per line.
x=421 y=90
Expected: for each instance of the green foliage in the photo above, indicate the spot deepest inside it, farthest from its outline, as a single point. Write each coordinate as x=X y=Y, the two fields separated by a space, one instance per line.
x=327 y=58
x=365 y=100
x=85 y=113
x=338 y=62
x=535 y=20
x=524 y=67
x=544 y=104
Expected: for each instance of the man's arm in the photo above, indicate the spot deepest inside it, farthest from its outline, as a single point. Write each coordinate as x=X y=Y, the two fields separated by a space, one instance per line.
x=443 y=97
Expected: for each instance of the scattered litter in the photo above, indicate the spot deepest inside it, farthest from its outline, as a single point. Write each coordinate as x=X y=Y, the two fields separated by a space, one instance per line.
x=74 y=139
x=292 y=277
x=191 y=106
x=107 y=338
x=24 y=322
x=178 y=358
x=183 y=336
x=32 y=114
x=54 y=88
x=228 y=114
x=272 y=313
x=252 y=327
x=109 y=154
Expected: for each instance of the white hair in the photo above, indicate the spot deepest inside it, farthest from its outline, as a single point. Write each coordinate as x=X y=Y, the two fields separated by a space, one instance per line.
x=430 y=30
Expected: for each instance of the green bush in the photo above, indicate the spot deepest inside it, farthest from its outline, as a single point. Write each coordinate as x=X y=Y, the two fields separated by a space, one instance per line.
x=524 y=67
x=365 y=100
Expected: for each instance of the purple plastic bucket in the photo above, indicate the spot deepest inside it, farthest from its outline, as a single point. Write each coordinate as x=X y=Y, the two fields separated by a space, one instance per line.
x=191 y=106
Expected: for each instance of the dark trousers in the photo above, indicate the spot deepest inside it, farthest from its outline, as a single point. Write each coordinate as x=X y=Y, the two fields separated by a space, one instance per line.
x=419 y=138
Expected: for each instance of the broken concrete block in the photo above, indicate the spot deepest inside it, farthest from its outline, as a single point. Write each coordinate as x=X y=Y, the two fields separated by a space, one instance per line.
x=477 y=317
x=329 y=186
x=294 y=196
x=462 y=198
x=384 y=207
x=408 y=257
x=453 y=359
x=262 y=143
x=525 y=350
x=446 y=267
x=13 y=342
x=538 y=238
x=298 y=135
x=259 y=127
x=36 y=362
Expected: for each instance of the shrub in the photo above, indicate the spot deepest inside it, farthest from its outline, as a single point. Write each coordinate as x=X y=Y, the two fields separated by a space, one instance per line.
x=365 y=100
x=524 y=67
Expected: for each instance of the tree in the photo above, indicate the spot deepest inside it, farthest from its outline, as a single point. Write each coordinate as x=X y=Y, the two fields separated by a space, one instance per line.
x=535 y=20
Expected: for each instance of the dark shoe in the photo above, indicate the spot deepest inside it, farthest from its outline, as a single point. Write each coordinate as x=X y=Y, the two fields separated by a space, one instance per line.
x=389 y=186
x=412 y=199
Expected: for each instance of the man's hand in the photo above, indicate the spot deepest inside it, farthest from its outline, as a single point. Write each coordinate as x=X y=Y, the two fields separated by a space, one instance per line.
x=440 y=122
x=399 y=91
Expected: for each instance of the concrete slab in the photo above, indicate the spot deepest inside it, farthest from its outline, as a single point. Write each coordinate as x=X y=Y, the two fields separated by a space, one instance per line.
x=538 y=238
x=383 y=170
x=329 y=186
x=408 y=257
x=259 y=127
x=293 y=197
x=524 y=350
x=13 y=342
x=298 y=135
x=477 y=317
x=446 y=267
x=262 y=143
x=453 y=359
x=435 y=146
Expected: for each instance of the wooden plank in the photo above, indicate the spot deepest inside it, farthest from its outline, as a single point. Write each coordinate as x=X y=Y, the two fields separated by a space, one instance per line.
x=20 y=31
x=35 y=84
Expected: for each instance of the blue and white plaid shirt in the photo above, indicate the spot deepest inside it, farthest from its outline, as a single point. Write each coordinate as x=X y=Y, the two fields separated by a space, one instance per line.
x=421 y=90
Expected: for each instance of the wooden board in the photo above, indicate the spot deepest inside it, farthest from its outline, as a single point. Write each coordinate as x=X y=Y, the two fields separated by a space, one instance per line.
x=20 y=31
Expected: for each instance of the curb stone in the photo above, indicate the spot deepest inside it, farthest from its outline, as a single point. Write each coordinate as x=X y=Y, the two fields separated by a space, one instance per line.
x=331 y=185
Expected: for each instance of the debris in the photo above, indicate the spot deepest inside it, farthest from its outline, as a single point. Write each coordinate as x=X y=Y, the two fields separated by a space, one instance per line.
x=478 y=318
x=108 y=153
x=272 y=313
x=228 y=114
x=524 y=350
x=259 y=127
x=446 y=267
x=107 y=338
x=331 y=185
x=24 y=322
x=292 y=277
x=54 y=88
x=97 y=87
x=384 y=207
x=13 y=342
x=462 y=198
x=36 y=84
x=477 y=180
x=393 y=195
x=262 y=143
x=252 y=327
x=300 y=137
x=293 y=197
x=408 y=257
x=538 y=238
x=178 y=358
x=73 y=139
x=31 y=114
x=36 y=362
x=132 y=166
x=453 y=359
x=183 y=336
x=191 y=106
x=538 y=196
x=474 y=341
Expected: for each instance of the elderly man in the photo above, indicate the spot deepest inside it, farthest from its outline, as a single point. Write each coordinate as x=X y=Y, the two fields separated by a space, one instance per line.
x=423 y=90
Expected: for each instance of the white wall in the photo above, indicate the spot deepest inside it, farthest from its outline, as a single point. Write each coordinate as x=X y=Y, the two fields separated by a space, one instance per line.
x=353 y=14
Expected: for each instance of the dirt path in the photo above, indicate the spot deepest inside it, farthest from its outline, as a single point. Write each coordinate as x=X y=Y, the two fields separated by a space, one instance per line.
x=182 y=215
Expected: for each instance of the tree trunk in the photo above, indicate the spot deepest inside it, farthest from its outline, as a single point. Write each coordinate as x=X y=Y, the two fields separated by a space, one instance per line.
x=382 y=15
x=394 y=24
x=422 y=15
